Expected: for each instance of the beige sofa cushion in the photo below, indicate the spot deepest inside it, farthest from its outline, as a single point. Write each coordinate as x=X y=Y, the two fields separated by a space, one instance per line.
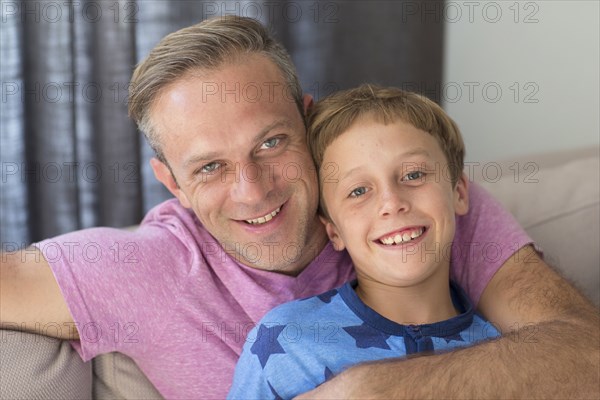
x=116 y=376
x=39 y=367
x=559 y=206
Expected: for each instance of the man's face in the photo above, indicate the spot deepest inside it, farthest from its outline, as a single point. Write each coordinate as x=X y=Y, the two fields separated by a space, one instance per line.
x=236 y=145
x=390 y=204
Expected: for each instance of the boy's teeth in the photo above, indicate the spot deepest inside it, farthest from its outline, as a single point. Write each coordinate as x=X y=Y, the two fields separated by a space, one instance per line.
x=266 y=218
x=402 y=238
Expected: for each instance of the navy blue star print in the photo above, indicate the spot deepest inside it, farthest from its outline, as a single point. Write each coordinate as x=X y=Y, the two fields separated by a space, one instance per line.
x=328 y=374
x=325 y=297
x=266 y=343
x=366 y=337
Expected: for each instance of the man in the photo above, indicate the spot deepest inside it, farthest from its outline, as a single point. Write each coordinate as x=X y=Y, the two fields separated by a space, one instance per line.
x=221 y=105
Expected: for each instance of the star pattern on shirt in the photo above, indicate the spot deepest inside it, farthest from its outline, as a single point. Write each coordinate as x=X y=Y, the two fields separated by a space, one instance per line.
x=366 y=337
x=266 y=343
x=327 y=296
x=328 y=374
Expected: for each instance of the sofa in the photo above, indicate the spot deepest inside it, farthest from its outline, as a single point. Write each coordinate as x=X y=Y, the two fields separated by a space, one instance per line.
x=555 y=197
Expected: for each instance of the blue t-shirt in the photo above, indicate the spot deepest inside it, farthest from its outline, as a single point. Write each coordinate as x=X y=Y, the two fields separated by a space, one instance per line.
x=301 y=344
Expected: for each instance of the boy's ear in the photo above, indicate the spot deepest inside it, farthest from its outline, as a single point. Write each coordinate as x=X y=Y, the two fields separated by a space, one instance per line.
x=307 y=100
x=461 y=195
x=164 y=175
x=332 y=232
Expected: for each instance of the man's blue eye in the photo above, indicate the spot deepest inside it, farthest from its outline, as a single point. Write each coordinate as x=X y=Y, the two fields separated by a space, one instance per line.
x=358 y=192
x=210 y=167
x=270 y=143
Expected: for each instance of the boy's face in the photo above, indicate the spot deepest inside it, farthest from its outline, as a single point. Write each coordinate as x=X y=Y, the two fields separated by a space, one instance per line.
x=391 y=202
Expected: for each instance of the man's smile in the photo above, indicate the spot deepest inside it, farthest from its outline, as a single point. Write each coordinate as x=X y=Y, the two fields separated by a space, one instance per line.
x=265 y=218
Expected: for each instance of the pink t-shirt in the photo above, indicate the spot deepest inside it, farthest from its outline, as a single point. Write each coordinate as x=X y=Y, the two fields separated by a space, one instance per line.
x=171 y=298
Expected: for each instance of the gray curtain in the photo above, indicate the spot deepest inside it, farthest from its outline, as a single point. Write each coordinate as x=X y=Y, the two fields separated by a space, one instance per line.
x=70 y=157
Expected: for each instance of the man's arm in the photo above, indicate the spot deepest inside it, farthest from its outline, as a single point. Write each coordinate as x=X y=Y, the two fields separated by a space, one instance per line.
x=549 y=349
x=30 y=297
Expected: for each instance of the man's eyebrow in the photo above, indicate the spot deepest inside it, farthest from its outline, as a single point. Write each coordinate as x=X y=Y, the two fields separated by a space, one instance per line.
x=202 y=157
x=419 y=151
x=282 y=123
x=260 y=136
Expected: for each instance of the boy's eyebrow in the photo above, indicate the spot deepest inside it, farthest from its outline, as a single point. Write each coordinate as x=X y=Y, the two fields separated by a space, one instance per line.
x=419 y=151
x=260 y=136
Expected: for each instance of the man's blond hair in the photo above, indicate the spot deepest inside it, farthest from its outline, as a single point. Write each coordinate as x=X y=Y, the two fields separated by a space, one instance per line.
x=206 y=46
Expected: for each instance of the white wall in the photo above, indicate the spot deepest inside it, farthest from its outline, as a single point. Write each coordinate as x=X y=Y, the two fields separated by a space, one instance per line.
x=528 y=82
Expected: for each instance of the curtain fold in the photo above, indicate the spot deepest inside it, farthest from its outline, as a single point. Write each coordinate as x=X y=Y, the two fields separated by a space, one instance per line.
x=70 y=156
x=14 y=202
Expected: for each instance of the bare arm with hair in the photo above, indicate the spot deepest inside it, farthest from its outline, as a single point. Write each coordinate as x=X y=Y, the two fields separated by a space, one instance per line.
x=550 y=347
x=30 y=298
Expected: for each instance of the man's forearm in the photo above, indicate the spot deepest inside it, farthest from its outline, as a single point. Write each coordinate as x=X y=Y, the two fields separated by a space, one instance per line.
x=522 y=364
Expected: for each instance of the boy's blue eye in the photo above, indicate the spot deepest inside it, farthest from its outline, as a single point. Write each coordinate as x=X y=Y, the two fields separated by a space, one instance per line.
x=413 y=176
x=359 y=191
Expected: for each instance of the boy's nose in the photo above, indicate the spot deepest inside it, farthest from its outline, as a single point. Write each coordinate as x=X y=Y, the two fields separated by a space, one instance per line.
x=393 y=202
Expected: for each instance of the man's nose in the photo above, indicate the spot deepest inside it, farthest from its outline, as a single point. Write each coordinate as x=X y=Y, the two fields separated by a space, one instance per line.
x=251 y=184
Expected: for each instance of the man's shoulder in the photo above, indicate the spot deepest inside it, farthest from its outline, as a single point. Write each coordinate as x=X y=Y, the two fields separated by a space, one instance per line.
x=170 y=211
x=168 y=235
x=171 y=216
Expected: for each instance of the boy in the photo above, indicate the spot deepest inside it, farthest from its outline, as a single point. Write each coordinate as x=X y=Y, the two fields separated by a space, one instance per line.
x=390 y=168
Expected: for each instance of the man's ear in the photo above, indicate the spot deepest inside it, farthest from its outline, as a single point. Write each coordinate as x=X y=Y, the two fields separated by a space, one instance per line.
x=461 y=195
x=332 y=232
x=164 y=175
x=307 y=100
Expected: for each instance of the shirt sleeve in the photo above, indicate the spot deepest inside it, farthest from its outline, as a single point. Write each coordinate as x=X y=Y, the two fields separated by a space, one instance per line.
x=250 y=380
x=485 y=238
x=118 y=285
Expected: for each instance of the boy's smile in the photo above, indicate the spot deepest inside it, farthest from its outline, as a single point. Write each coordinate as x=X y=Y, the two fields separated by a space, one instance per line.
x=403 y=236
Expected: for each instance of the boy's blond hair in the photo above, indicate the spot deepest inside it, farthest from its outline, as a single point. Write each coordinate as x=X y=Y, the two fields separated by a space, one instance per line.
x=330 y=117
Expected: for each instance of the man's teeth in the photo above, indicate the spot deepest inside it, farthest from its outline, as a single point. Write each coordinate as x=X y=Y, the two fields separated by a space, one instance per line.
x=402 y=238
x=266 y=218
